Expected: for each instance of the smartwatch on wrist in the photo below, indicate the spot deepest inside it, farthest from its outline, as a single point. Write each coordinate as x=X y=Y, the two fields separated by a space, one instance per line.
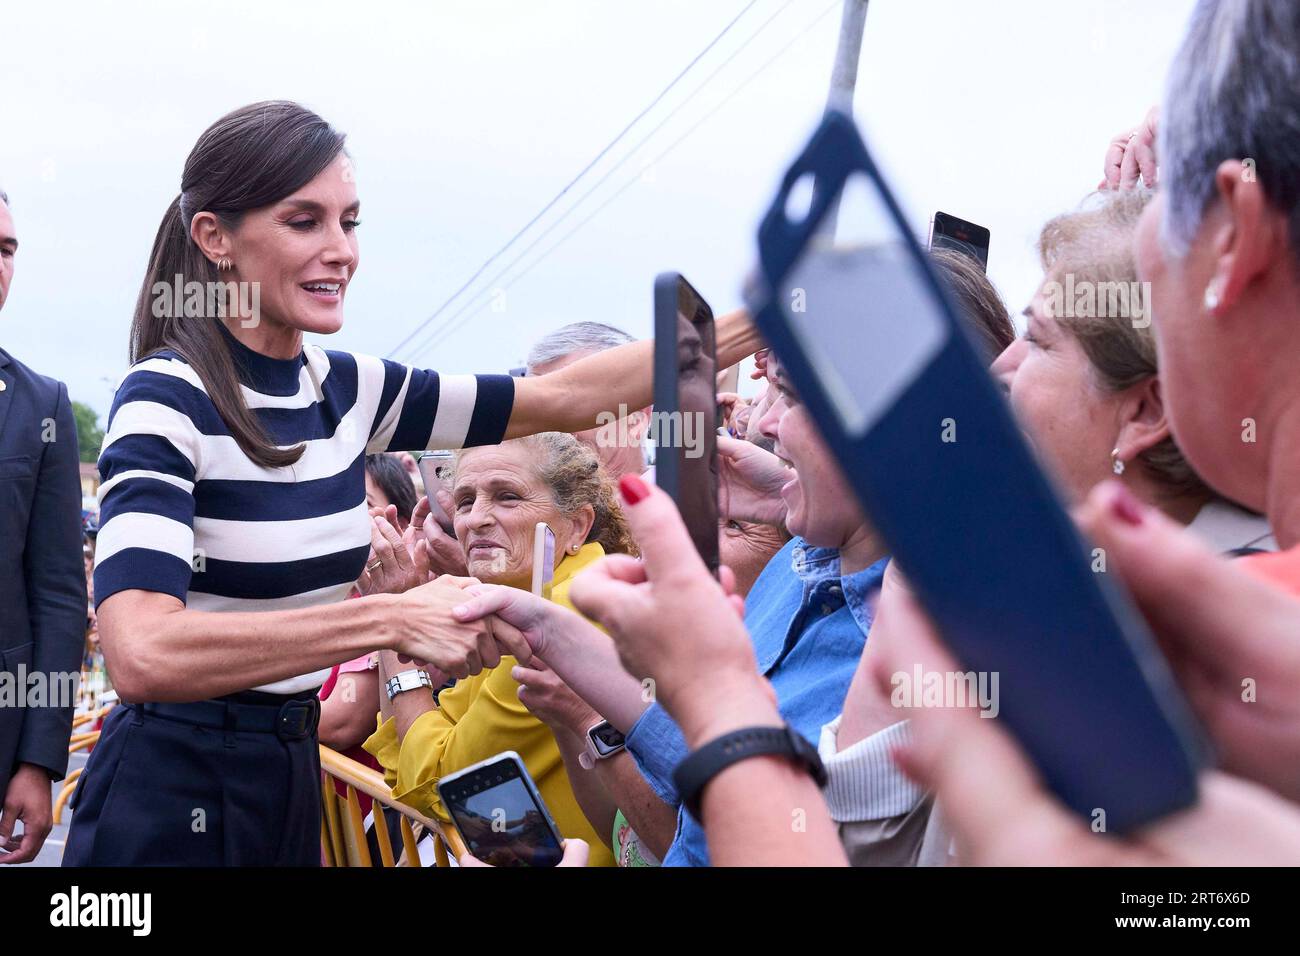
x=413 y=679
x=603 y=740
x=701 y=766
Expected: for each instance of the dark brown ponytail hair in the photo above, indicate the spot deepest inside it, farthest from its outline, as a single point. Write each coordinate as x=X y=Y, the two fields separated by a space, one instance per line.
x=248 y=159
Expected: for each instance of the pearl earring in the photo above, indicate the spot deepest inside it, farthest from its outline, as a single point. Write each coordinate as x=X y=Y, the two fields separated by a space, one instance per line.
x=1117 y=463
x=1211 y=297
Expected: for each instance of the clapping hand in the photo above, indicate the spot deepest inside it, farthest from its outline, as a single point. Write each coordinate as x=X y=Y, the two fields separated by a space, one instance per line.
x=442 y=551
x=397 y=562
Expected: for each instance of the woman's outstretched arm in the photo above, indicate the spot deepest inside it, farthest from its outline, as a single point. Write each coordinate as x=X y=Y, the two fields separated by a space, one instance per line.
x=571 y=399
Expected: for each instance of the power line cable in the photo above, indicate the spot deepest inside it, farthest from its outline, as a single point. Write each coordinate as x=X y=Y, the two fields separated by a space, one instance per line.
x=435 y=332
x=558 y=196
x=451 y=326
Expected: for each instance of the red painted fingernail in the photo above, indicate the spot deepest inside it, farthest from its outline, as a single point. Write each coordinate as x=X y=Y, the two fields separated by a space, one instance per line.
x=633 y=489
x=1126 y=507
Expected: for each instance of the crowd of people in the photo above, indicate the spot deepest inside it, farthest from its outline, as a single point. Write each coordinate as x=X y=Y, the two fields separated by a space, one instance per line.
x=271 y=571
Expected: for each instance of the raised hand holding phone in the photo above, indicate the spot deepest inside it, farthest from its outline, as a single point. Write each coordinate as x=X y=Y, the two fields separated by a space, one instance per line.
x=872 y=342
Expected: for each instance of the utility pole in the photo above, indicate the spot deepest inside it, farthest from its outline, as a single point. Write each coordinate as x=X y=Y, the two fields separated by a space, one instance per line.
x=844 y=73
x=844 y=79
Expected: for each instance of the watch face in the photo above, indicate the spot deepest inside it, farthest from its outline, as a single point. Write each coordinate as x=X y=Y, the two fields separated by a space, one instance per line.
x=606 y=738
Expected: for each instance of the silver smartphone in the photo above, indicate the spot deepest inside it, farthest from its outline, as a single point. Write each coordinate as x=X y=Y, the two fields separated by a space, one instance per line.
x=438 y=470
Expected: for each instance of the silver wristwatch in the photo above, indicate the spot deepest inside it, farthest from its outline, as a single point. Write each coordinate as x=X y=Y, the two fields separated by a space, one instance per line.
x=408 y=680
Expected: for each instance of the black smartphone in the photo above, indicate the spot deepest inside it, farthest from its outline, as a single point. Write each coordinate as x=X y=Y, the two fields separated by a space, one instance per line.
x=949 y=232
x=685 y=421
x=923 y=435
x=500 y=815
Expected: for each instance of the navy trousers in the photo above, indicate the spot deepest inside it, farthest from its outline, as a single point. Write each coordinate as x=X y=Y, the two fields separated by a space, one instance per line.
x=227 y=782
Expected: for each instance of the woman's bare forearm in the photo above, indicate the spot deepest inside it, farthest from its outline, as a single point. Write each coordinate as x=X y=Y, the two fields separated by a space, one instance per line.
x=578 y=395
x=654 y=821
x=587 y=661
x=597 y=804
x=735 y=338
x=157 y=650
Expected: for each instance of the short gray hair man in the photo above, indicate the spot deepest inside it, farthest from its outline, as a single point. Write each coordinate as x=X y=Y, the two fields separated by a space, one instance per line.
x=617 y=445
x=1231 y=94
x=577 y=338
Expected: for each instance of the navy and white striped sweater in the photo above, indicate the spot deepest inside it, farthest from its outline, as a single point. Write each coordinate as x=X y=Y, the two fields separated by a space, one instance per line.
x=184 y=512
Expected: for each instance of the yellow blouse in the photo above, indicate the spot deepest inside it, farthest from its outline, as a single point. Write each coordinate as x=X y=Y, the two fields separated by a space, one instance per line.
x=482 y=716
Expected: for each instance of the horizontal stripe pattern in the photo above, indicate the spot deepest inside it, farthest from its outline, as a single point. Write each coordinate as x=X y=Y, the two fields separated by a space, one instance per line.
x=184 y=512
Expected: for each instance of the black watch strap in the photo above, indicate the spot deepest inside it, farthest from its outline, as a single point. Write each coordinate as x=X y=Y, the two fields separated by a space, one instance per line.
x=701 y=766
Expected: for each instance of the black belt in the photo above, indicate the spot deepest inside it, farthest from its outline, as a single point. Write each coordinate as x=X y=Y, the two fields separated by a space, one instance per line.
x=289 y=718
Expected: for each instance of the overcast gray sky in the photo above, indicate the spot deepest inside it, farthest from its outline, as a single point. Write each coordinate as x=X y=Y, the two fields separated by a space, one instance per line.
x=464 y=118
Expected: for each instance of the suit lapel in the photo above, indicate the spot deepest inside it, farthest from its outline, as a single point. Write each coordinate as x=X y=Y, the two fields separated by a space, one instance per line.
x=7 y=395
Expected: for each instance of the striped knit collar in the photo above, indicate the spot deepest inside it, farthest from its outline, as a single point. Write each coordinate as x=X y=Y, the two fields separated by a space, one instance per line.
x=261 y=373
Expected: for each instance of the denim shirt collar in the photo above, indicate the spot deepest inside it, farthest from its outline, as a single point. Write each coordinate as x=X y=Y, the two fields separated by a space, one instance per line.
x=859 y=586
x=815 y=565
x=812 y=564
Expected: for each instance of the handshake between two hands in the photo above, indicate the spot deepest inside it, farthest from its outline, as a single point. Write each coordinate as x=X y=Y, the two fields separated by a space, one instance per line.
x=424 y=568
x=459 y=626
x=677 y=629
x=668 y=614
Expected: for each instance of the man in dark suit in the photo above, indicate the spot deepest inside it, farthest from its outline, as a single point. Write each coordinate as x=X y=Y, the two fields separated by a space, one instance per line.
x=42 y=586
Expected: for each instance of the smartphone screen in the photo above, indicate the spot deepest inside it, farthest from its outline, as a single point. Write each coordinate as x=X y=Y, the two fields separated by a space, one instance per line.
x=500 y=815
x=686 y=409
x=438 y=470
x=543 y=560
x=608 y=738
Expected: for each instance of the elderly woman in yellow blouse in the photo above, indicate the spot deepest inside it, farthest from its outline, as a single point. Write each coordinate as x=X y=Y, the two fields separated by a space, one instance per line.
x=500 y=494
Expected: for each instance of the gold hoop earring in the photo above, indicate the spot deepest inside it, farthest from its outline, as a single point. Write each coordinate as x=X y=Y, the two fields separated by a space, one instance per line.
x=223 y=264
x=1116 y=463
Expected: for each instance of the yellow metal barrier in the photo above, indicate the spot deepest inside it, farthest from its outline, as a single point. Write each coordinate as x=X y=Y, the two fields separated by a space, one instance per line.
x=80 y=740
x=343 y=835
x=69 y=785
x=83 y=717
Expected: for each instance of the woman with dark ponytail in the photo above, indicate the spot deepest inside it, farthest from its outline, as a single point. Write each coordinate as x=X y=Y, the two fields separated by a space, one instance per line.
x=233 y=515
